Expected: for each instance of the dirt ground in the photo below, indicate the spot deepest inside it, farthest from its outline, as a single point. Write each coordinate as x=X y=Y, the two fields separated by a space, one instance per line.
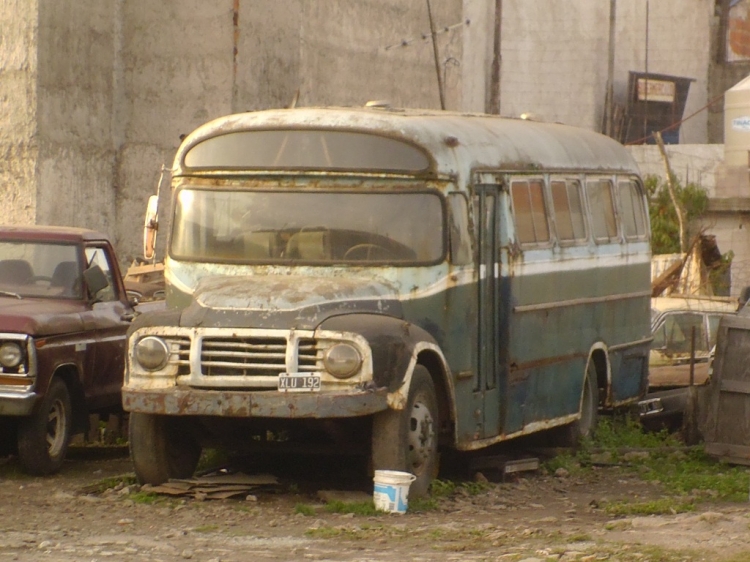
x=534 y=517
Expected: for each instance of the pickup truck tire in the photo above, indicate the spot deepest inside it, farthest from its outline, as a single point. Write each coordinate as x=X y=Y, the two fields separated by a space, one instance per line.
x=406 y=440
x=43 y=437
x=161 y=447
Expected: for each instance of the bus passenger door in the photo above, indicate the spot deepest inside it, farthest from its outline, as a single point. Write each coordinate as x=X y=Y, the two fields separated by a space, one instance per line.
x=488 y=409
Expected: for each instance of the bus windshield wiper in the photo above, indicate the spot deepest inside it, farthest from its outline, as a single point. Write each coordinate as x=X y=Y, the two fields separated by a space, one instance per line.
x=10 y=294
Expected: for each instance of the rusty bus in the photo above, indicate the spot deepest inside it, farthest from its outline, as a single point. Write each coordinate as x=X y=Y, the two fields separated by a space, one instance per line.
x=391 y=283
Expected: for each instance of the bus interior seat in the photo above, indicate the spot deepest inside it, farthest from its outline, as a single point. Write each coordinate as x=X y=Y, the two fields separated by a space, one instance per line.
x=16 y=272
x=67 y=278
x=308 y=245
x=258 y=245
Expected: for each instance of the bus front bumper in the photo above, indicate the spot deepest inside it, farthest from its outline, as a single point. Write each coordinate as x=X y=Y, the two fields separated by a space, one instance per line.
x=256 y=404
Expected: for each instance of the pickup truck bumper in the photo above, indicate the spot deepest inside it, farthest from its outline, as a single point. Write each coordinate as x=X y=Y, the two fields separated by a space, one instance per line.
x=256 y=404
x=663 y=404
x=17 y=403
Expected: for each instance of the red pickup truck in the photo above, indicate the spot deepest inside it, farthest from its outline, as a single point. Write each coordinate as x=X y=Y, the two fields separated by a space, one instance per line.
x=64 y=315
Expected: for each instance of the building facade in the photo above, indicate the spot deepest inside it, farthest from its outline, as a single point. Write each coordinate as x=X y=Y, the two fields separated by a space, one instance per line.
x=96 y=93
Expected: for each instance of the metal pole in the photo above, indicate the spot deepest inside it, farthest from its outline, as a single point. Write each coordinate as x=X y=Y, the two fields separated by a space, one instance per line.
x=645 y=85
x=435 y=53
x=609 y=109
x=496 y=60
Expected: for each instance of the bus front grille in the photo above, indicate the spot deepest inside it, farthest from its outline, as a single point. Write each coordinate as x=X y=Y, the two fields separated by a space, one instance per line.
x=255 y=356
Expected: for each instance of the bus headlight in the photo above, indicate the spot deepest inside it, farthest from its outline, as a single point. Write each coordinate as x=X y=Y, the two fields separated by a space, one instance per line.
x=151 y=353
x=342 y=360
x=11 y=355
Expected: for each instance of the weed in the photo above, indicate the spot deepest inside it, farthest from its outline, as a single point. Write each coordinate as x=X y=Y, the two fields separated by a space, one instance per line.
x=206 y=529
x=442 y=488
x=145 y=497
x=211 y=459
x=304 y=509
x=620 y=432
x=110 y=483
x=345 y=533
x=662 y=458
x=357 y=508
x=423 y=504
x=566 y=461
x=661 y=506
x=475 y=488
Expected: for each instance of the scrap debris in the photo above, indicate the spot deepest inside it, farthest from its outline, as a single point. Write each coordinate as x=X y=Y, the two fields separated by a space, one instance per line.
x=216 y=486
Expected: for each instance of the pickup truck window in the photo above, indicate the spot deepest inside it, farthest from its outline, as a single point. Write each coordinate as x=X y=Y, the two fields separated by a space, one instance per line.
x=400 y=228
x=43 y=270
x=98 y=256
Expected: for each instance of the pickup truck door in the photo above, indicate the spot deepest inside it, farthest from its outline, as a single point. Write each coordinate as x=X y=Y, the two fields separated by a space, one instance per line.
x=109 y=317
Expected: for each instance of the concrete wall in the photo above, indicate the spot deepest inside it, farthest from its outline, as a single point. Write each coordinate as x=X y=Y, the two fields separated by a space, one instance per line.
x=555 y=56
x=119 y=81
x=18 y=118
x=174 y=73
x=76 y=155
x=345 y=59
x=699 y=164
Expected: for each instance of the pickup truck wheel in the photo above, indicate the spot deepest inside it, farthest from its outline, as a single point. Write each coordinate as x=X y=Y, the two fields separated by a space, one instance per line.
x=43 y=437
x=406 y=440
x=161 y=447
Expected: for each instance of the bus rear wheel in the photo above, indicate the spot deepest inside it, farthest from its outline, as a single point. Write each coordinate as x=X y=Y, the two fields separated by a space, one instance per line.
x=161 y=447
x=406 y=440
x=584 y=427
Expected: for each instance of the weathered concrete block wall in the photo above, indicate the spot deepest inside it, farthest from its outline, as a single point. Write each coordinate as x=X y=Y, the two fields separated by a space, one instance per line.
x=691 y=163
x=74 y=119
x=174 y=72
x=18 y=93
x=346 y=59
x=119 y=81
x=555 y=56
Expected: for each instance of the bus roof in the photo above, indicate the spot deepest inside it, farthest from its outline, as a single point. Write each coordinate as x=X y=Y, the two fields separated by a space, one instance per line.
x=456 y=143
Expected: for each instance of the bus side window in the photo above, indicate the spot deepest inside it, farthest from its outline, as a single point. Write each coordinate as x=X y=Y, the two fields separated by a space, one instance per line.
x=631 y=203
x=460 y=240
x=529 y=211
x=602 y=207
x=569 y=217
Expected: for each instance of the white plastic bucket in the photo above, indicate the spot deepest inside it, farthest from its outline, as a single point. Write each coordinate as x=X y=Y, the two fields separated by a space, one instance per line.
x=391 y=490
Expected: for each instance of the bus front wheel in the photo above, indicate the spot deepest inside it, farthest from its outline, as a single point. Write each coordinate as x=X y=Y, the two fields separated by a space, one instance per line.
x=406 y=440
x=161 y=447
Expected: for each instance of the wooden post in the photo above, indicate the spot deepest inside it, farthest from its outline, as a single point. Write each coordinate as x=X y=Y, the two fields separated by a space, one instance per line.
x=689 y=416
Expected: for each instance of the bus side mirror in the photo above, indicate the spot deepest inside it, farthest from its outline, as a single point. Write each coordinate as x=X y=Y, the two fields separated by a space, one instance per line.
x=150 y=227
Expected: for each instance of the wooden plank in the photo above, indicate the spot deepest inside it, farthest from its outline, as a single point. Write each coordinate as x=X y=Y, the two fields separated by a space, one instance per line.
x=729 y=451
x=739 y=387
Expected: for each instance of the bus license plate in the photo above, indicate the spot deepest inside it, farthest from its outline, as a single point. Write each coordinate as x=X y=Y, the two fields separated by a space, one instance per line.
x=299 y=383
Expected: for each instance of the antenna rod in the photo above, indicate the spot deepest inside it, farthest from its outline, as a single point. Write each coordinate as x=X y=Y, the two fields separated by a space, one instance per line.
x=435 y=52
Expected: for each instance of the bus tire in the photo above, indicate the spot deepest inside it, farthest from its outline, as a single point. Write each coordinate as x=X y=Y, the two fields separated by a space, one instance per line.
x=43 y=437
x=406 y=440
x=161 y=447
x=584 y=426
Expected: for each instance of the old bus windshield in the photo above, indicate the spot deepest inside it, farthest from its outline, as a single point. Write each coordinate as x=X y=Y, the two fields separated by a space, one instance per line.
x=309 y=227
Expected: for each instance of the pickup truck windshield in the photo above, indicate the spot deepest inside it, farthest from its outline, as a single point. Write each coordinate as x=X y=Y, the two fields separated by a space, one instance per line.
x=37 y=269
x=308 y=227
